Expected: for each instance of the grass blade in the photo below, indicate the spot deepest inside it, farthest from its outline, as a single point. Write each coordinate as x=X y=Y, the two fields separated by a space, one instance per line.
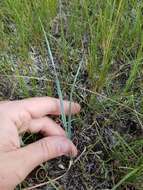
x=71 y=95
x=126 y=177
x=59 y=91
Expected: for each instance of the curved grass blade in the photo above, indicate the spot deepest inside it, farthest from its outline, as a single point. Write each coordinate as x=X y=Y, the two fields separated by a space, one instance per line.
x=126 y=177
x=59 y=91
x=71 y=95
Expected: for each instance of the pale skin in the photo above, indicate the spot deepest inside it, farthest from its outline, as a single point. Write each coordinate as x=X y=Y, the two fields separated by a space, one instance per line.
x=31 y=115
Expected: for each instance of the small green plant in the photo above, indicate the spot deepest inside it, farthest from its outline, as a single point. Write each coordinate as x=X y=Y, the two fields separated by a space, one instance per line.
x=67 y=126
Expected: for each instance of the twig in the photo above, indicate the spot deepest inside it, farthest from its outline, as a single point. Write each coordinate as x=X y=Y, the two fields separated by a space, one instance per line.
x=78 y=158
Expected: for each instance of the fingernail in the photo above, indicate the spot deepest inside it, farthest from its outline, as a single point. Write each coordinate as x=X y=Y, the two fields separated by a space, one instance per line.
x=66 y=147
x=77 y=107
x=73 y=153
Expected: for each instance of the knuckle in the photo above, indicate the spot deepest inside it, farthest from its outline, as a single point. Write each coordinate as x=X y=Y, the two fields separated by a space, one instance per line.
x=62 y=142
x=44 y=120
x=22 y=120
x=52 y=148
x=46 y=150
x=63 y=146
x=24 y=116
x=4 y=106
x=55 y=105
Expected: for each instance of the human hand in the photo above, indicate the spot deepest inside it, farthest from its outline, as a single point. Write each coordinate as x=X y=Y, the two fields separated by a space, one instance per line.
x=30 y=115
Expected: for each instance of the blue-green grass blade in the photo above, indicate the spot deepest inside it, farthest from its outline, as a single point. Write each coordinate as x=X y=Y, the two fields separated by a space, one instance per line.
x=71 y=95
x=59 y=91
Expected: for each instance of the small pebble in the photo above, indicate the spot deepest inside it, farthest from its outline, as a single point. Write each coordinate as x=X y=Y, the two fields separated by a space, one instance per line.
x=61 y=166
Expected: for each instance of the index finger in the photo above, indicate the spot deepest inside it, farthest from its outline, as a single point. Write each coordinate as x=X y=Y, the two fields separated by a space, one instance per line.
x=39 y=107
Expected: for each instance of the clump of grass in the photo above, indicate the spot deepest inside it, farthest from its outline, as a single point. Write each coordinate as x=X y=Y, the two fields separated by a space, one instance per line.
x=132 y=174
x=19 y=26
x=129 y=156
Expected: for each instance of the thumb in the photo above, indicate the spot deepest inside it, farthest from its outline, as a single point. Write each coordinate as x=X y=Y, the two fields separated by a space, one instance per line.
x=27 y=158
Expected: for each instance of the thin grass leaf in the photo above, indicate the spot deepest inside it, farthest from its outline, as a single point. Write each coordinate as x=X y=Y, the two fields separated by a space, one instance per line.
x=71 y=95
x=59 y=91
x=126 y=144
x=53 y=184
x=126 y=177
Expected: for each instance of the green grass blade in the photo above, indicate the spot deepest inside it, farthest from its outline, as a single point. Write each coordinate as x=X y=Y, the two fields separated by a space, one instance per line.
x=71 y=95
x=59 y=91
x=126 y=177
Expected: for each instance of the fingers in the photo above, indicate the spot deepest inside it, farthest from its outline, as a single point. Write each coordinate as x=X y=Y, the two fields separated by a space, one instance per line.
x=47 y=126
x=39 y=107
x=22 y=112
x=29 y=157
